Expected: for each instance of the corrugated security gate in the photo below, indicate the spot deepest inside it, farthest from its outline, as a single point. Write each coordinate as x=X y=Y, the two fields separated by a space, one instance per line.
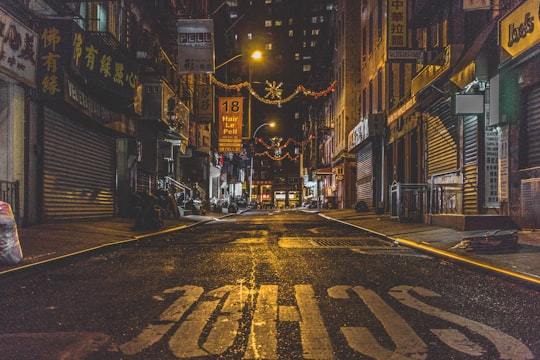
x=530 y=188
x=442 y=139
x=533 y=127
x=470 y=164
x=364 y=175
x=78 y=171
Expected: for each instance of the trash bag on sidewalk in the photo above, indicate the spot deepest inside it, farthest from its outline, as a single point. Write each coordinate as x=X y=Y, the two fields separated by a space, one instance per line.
x=148 y=212
x=493 y=241
x=10 y=247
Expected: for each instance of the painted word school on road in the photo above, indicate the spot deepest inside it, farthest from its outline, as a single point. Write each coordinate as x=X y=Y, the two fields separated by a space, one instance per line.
x=193 y=311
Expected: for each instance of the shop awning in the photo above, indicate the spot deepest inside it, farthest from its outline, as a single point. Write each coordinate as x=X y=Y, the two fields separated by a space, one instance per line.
x=464 y=72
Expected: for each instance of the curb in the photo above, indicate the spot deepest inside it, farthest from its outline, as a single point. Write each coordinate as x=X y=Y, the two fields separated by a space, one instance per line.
x=513 y=275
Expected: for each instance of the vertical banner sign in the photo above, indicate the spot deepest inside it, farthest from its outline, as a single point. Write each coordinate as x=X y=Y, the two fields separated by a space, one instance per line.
x=397 y=23
x=205 y=105
x=195 y=46
x=230 y=124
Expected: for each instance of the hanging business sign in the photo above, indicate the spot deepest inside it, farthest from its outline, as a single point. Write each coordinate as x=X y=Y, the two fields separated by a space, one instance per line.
x=195 y=46
x=230 y=124
x=520 y=30
x=19 y=48
x=469 y=5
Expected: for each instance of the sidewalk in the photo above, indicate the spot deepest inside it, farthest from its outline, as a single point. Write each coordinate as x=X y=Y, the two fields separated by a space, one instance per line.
x=46 y=243
x=521 y=264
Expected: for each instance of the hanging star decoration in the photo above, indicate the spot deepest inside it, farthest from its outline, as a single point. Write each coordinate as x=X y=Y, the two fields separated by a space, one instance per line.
x=274 y=90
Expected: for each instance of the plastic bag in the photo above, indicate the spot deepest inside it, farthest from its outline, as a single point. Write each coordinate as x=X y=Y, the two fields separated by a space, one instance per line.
x=10 y=247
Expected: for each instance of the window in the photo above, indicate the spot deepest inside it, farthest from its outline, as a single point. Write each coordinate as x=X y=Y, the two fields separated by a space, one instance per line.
x=278 y=23
x=315 y=32
x=364 y=102
x=291 y=21
x=314 y=20
x=268 y=46
x=364 y=44
x=291 y=33
x=370 y=105
x=370 y=36
x=250 y=36
x=306 y=67
x=379 y=90
x=296 y=56
x=379 y=19
x=268 y=23
x=313 y=43
x=267 y=1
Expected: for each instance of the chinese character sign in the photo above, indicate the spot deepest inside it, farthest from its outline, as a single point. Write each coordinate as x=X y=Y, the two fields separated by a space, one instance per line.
x=230 y=124
x=205 y=105
x=18 y=50
x=102 y=66
x=195 y=46
x=54 y=40
x=397 y=23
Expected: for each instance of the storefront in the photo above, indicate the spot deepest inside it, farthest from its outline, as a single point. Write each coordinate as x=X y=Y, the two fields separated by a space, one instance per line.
x=365 y=141
x=84 y=132
x=17 y=78
x=519 y=123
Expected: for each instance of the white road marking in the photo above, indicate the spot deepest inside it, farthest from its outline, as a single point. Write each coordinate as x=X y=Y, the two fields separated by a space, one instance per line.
x=408 y=344
x=315 y=340
x=154 y=332
x=262 y=342
x=224 y=308
x=508 y=346
x=457 y=340
x=185 y=341
x=225 y=329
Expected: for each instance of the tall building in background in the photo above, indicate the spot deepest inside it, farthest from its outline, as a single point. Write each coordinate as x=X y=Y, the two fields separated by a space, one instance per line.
x=293 y=37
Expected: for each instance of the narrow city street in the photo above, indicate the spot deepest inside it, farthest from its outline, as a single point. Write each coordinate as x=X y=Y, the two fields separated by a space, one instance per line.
x=265 y=285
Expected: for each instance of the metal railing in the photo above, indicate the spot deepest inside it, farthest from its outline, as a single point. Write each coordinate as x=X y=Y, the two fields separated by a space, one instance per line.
x=408 y=201
x=9 y=192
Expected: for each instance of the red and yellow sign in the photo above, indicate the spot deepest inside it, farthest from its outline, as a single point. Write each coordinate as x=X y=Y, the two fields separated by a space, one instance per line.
x=231 y=113
x=520 y=30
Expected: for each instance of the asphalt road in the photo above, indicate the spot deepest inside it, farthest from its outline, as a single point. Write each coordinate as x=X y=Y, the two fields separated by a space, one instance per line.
x=265 y=285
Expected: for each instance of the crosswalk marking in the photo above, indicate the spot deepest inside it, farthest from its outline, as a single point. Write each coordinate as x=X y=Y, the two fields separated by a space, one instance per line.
x=262 y=342
x=154 y=332
x=199 y=325
x=315 y=340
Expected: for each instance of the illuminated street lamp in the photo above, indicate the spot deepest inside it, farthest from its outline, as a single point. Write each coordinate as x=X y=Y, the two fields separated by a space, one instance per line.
x=271 y=124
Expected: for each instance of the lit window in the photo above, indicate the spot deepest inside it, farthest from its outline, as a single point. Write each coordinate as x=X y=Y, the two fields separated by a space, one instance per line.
x=267 y=1
x=268 y=46
x=315 y=31
x=291 y=33
x=313 y=43
x=314 y=20
x=268 y=23
x=250 y=36
x=290 y=21
x=307 y=67
x=297 y=56
x=278 y=23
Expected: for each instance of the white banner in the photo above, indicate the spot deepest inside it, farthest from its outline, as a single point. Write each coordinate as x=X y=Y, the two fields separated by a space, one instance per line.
x=195 y=46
